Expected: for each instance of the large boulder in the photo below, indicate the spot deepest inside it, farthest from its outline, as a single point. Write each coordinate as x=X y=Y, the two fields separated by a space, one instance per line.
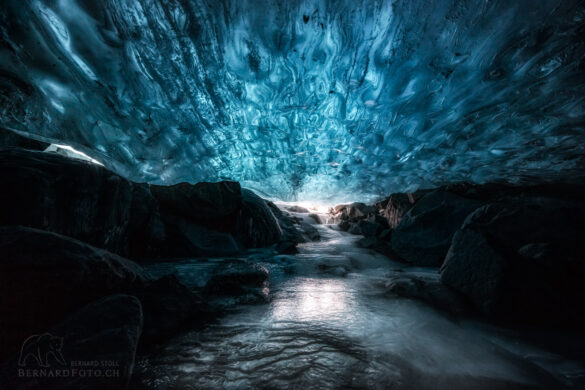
x=87 y=202
x=94 y=348
x=522 y=261
x=237 y=281
x=370 y=227
x=78 y=199
x=397 y=205
x=288 y=224
x=378 y=244
x=187 y=239
x=428 y=288
x=425 y=232
x=297 y=209
x=309 y=232
x=214 y=205
x=45 y=276
x=169 y=307
x=294 y=229
x=256 y=224
x=353 y=211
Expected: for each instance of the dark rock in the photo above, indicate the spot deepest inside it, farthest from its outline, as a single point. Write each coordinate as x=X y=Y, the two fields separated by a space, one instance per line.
x=45 y=276
x=213 y=205
x=310 y=233
x=297 y=209
x=380 y=220
x=89 y=203
x=287 y=247
x=11 y=139
x=242 y=281
x=381 y=204
x=397 y=205
x=104 y=334
x=429 y=289
x=344 y=225
x=385 y=235
x=256 y=224
x=334 y=270
x=316 y=218
x=425 y=232
x=288 y=224
x=367 y=242
x=354 y=228
x=369 y=228
x=78 y=199
x=187 y=239
x=359 y=210
x=169 y=307
x=522 y=261
x=294 y=229
x=354 y=211
x=378 y=245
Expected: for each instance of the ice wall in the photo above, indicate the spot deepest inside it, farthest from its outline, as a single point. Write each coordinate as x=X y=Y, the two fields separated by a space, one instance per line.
x=311 y=100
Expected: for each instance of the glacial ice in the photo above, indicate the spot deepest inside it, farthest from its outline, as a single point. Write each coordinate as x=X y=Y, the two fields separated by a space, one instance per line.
x=303 y=100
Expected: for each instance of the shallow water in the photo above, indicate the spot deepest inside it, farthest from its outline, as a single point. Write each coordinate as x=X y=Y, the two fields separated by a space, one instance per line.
x=330 y=324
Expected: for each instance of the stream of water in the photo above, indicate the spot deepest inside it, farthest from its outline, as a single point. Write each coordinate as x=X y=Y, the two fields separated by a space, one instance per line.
x=331 y=324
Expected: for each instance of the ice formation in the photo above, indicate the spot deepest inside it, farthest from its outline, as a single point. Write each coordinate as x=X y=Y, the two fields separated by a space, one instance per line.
x=302 y=100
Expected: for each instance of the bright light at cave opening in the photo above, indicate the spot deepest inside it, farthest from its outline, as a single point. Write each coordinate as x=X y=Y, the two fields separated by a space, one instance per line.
x=314 y=207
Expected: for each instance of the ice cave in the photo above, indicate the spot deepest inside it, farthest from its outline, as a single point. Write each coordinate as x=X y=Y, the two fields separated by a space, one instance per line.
x=292 y=194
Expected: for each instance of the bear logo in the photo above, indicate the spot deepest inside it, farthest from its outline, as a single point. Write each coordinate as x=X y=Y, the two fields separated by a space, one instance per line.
x=40 y=347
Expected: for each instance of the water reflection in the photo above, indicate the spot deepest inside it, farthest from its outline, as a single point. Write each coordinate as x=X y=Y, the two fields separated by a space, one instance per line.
x=314 y=300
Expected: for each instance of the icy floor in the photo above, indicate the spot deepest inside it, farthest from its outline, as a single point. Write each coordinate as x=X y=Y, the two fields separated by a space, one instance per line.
x=338 y=329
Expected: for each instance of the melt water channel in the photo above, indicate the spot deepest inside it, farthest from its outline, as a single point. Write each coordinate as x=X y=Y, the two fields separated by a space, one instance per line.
x=330 y=323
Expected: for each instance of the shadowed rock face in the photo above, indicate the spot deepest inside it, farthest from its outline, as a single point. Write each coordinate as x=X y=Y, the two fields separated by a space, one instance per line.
x=511 y=253
x=87 y=202
x=256 y=224
x=397 y=205
x=106 y=330
x=46 y=276
x=235 y=280
x=424 y=234
x=429 y=288
x=80 y=200
x=209 y=204
x=522 y=261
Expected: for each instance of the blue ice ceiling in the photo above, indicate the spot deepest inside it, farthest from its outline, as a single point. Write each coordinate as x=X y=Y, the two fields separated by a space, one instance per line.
x=303 y=100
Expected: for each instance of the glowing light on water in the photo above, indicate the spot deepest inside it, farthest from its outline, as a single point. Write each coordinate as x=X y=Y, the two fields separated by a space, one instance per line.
x=316 y=300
